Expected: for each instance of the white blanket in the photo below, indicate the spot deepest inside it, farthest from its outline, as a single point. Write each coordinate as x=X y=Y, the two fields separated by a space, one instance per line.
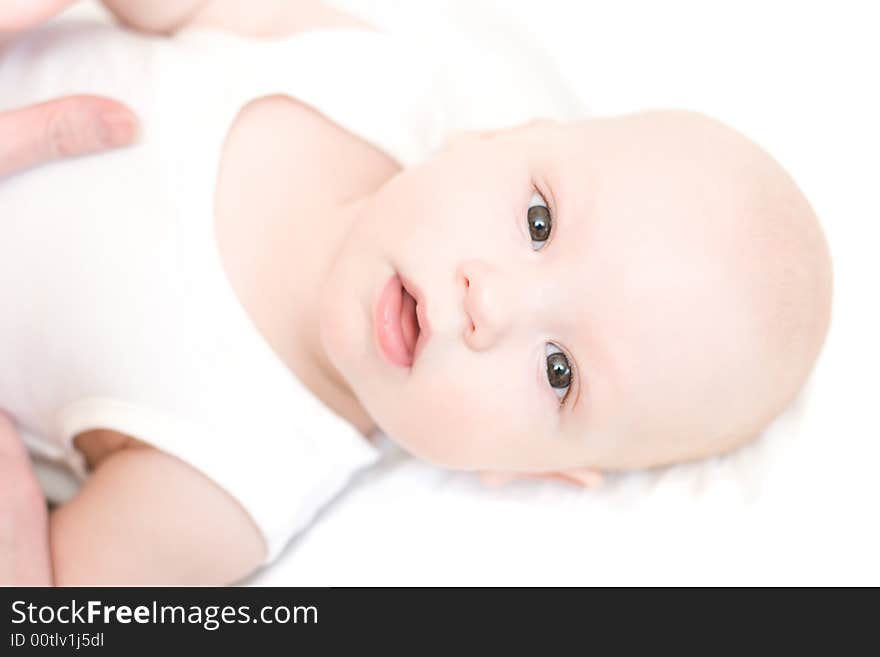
x=799 y=506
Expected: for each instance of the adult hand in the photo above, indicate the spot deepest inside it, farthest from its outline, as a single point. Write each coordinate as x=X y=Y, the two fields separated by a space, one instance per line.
x=25 y=557
x=67 y=126
x=18 y=15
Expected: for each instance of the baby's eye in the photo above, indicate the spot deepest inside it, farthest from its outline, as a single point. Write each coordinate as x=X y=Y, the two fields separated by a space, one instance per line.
x=558 y=372
x=539 y=220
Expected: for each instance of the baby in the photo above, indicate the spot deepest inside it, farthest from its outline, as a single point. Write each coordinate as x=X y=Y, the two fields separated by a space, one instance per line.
x=552 y=300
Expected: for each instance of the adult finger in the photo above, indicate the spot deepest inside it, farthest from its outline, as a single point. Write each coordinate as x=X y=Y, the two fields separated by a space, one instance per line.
x=74 y=125
x=17 y=15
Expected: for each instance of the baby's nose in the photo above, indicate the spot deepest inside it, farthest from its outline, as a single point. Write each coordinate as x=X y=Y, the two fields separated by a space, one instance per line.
x=488 y=304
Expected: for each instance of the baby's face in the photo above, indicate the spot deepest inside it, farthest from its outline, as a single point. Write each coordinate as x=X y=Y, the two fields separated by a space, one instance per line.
x=614 y=326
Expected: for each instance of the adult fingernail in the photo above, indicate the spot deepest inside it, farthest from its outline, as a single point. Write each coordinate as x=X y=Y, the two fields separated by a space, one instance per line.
x=119 y=128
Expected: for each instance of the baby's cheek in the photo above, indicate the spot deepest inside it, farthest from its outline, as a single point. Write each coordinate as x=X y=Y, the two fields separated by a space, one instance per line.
x=438 y=423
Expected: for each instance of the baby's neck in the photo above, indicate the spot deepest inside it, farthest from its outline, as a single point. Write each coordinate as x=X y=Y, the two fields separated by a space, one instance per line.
x=302 y=251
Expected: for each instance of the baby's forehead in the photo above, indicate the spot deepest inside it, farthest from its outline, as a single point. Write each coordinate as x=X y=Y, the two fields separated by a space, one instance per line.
x=641 y=195
x=683 y=177
x=666 y=138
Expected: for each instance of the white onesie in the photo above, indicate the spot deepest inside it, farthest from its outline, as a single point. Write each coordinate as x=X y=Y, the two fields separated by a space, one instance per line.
x=116 y=311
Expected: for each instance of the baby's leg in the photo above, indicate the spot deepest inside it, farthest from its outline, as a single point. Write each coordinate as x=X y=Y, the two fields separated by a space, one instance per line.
x=24 y=528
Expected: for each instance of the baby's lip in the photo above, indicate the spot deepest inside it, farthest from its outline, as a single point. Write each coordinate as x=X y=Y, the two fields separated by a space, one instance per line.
x=421 y=314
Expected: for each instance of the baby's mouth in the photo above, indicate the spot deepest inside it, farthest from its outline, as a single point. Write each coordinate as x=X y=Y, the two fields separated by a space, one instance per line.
x=409 y=322
x=418 y=327
x=398 y=332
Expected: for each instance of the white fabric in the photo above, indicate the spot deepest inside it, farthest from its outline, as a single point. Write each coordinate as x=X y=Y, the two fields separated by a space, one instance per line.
x=117 y=312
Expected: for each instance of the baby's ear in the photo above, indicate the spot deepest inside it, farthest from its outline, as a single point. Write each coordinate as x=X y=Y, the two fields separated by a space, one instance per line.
x=585 y=477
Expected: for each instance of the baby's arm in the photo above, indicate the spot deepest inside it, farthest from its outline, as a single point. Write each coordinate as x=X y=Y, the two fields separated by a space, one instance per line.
x=145 y=517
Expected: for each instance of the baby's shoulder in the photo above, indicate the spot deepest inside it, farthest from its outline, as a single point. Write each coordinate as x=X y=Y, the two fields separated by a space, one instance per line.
x=278 y=145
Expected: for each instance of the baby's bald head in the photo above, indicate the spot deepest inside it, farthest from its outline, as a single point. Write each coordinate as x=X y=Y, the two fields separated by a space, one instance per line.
x=724 y=276
x=611 y=293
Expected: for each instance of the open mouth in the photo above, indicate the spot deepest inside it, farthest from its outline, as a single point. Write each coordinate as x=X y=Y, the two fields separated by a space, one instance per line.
x=397 y=323
x=409 y=321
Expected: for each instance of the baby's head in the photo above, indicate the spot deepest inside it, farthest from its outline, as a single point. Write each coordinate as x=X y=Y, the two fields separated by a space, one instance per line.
x=664 y=302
